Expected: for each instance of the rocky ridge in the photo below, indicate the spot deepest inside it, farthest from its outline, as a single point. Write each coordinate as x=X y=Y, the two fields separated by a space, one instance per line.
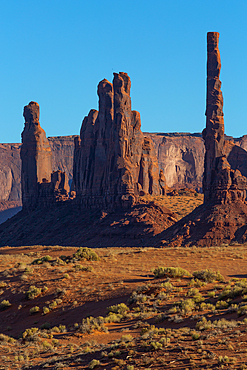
x=180 y=155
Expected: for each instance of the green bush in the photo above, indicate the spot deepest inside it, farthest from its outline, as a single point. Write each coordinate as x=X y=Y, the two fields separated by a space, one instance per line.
x=90 y=324
x=187 y=306
x=46 y=310
x=208 y=275
x=171 y=272
x=85 y=254
x=33 y=292
x=30 y=334
x=41 y=260
x=5 y=304
x=221 y=305
x=34 y=310
x=93 y=364
x=120 y=308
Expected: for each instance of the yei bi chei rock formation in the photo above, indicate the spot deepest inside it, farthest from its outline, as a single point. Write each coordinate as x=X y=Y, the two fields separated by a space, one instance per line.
x=40 y=186
x=113 y=161
x=223 y=216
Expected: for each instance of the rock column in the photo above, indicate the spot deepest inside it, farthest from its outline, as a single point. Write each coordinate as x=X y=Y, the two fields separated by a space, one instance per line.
x=36 y=157
x=213 y=135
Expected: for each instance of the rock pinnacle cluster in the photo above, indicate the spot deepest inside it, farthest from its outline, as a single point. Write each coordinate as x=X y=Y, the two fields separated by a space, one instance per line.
x=113 y=161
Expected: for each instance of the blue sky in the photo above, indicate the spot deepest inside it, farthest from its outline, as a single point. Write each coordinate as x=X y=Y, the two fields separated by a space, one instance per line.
x=56 y=52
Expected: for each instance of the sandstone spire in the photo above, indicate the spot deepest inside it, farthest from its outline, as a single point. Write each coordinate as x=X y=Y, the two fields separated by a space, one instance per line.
x=35 y=155
x=221 y=182
x=214 y=133
x=223 y=216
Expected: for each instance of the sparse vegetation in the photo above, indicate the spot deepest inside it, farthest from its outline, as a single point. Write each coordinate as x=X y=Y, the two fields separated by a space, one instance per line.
x=198 y=312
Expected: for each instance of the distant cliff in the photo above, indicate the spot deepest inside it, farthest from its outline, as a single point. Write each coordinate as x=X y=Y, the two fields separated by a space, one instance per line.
x=180 y=155
x=10 y=165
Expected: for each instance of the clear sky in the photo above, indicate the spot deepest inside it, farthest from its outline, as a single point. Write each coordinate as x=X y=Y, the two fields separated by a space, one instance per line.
x=55 y=52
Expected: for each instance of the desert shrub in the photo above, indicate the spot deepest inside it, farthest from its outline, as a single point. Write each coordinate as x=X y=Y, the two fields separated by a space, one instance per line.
x=6 y=339
x=239 y=289
x=208 y=275
x=155 y=345
x=85 y=254
x=211 y=294
x=33 y=292
x=45 y=310
x=242 y=310
x=83 y=268
x=5 y=304
x=62 y=328
x=90 y=324
x=126 y=338
x=187 y=306
x=120 y=308
x=192 y=292
x=171 y=272
x=221 y=305
x=93 y=364
x=233 y=308
x=207 y=306
x=198 y=298
x=58 y=262
x=45 y=326
x=203 y=324
x=195 y=335
x=34 y=310
x=53 y=305
x=137 y=298
x=223 y=323
x=30 y=334
x=196 y=283
x=41 y=260
x=28 y=271
x=113 y=317
x=168 y=286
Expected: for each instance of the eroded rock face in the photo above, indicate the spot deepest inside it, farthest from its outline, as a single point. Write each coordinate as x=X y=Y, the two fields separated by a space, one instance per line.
x=113 y=161
x=181 y=157
x=35 y=156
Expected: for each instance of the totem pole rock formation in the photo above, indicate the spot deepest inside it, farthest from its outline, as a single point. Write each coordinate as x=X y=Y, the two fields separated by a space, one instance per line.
x=223 y=216
x=113 y=161
x=38 y=184
x=221 y=182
